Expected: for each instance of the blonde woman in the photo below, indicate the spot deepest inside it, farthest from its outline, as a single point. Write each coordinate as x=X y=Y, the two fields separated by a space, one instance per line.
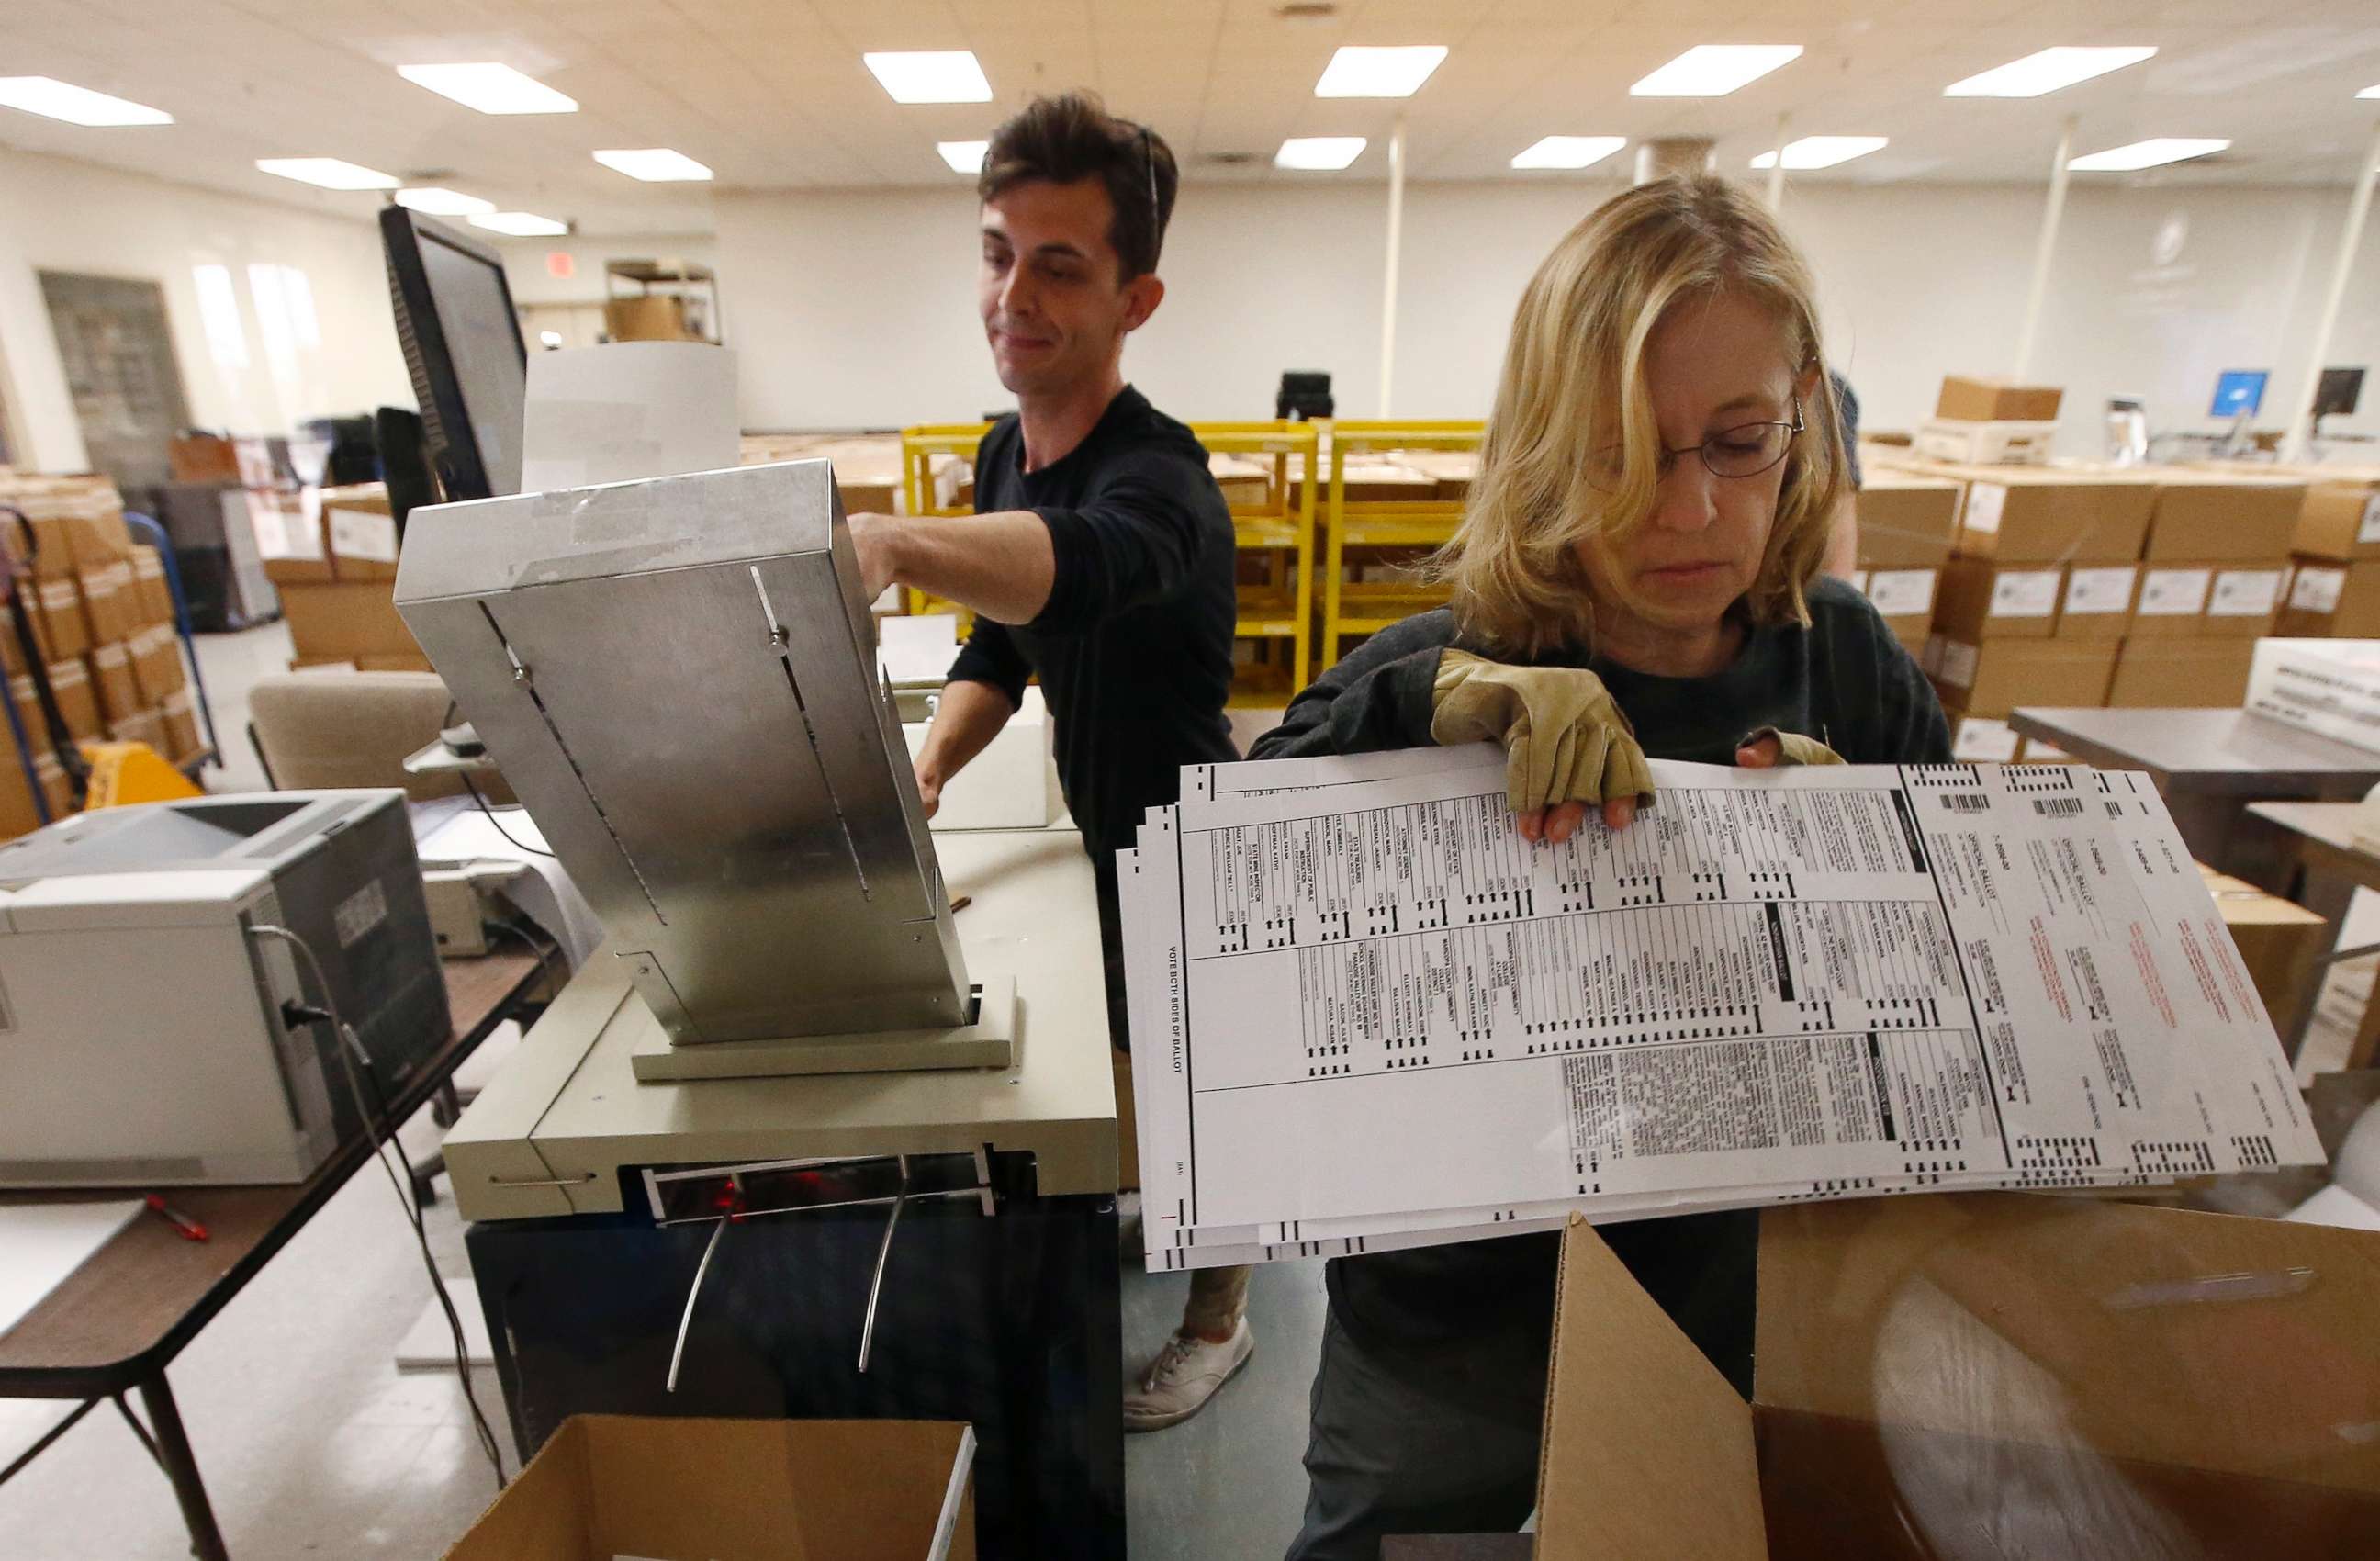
x=1639 y=573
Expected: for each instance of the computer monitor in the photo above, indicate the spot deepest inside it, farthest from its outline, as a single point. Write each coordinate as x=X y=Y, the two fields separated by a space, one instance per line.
x=2336 y=394
x=2239 y=392
x=463 y=347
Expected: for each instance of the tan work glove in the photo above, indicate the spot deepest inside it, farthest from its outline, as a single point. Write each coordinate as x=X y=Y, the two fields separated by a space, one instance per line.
x=1564 y=739
x=1768 y=748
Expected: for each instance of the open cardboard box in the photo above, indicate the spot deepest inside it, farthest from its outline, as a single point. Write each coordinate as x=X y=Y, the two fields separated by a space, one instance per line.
x=650 y=1488
x=1980 y=1376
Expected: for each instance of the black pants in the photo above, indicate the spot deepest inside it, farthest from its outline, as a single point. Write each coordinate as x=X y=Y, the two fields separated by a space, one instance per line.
x=1392 y=1451
x=1104 y=874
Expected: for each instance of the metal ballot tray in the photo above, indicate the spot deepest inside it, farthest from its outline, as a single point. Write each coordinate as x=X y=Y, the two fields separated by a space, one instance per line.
x=677 y=676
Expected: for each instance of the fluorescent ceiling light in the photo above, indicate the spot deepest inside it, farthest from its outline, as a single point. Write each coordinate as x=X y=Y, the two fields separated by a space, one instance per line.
x=1318 y=151
x=75 y=105
x=654 y=165
x=490 y=89
x=1713 y=70
x=2045 y=72
x=521 y=224
x=328 y=172
x=2369 y=92
x=1378 y=73
x=1569 y=151
x=930 y=75
x=1823 y=151
x=443 y=202
x=2154 y=153
x=964 y=157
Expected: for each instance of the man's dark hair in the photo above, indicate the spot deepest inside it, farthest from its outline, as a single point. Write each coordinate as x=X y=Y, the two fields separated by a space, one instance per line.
x=1068 y=138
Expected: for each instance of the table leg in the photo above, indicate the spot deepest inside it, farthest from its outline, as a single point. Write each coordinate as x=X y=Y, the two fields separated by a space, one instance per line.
x=182 y=1467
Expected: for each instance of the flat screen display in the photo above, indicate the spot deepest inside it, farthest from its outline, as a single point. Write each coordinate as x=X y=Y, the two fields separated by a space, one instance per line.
x=478 y=322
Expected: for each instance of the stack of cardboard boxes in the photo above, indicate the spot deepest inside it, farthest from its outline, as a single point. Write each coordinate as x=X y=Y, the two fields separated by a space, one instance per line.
x=102 y=626
x=1907 y=524
x=2078 y=586
x=2334 y=588
x=331 y=553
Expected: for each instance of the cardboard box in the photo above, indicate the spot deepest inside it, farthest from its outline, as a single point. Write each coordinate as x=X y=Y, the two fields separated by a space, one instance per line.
x=152 y=598
x=1994 y=678
x=2340 y=517
x=344 y=622
x=1974 y=399
x=2329 y=601
x=359 y=532
x=1986 y=444
x=1905 y=600
x=655 y=317
x=19 y=812
x=2180 y=674
x=111 y=678
x=1980 y=601
x=2278 y=941
x=29 y=711
x=392 y=662
x=289 y=537
x=2244 y=602
x=2327 y=686
x=182 y=738
x=2172 y=601
x=96 y=534
x=41 y=538
x=2221 y=519
x=156 y=657
x=616 y=1487
x=1906 y=521
x=203 y=458
x=59 y=626
x=140 y=726
x=78 y=700
x=2020 y=516
x=2097 y=602
x=107 y=603
x=1982 y=740
x=1976 y=1374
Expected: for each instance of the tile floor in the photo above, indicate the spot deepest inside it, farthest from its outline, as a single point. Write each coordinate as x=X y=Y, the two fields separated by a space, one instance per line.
x=313 y=1445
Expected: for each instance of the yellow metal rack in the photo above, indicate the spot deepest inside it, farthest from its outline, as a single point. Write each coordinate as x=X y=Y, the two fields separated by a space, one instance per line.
x=1272 y=524
x=1422 y=519
x=919 y=445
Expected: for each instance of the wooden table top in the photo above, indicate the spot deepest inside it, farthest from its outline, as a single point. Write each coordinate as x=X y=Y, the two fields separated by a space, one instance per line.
x=140 y=1299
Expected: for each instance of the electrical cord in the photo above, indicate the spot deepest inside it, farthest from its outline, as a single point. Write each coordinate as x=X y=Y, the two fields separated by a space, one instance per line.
x=517 y=844
x=357 y=1066
x=554 y=980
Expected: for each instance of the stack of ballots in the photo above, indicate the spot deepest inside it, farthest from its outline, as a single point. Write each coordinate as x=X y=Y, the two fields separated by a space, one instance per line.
x=1366 y=1014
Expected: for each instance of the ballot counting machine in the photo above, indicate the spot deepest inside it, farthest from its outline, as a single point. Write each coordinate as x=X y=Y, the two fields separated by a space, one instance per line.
x=150 y=1036
x=786 y=1145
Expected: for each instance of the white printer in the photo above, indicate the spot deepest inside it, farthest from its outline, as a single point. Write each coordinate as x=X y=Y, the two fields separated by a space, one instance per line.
x=148 y=1037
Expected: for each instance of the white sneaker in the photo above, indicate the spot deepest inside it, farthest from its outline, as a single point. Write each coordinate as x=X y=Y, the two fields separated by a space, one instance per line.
x=1183 y=1376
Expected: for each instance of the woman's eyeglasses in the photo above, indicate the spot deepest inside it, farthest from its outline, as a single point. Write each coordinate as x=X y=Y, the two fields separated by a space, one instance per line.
x=1745 y=450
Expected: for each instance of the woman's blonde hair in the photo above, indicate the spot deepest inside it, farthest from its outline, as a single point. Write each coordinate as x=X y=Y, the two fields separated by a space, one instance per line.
x=1573 y=391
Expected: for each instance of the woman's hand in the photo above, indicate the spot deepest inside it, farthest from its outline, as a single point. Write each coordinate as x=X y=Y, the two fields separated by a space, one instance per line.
x=1768 y=749
x=1566 y=743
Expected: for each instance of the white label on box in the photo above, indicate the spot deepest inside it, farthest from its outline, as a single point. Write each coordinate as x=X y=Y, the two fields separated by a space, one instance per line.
x=1978 y=741
x=1985 y=502
x=361 y=533
x=2317 y=589
x=2100 y=590
x=2025 y=593
x=309 y=505
x=1902 y=592
x=2368 y=531
x=1959 y=663
x=2244 y=593
x=2175 y=593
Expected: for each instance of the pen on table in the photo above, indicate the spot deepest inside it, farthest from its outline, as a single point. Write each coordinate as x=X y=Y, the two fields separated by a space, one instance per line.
x=190 y=1228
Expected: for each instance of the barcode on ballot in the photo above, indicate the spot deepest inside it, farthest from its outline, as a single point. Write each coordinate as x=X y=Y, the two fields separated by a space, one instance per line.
x=2065 y=807
x=1966 y=802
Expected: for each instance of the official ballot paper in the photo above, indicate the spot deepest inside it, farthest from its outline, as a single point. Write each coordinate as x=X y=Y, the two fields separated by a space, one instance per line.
x=1366 y=1014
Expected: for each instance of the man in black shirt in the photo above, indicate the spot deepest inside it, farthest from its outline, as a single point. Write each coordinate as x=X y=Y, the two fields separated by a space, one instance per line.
x=1100 y=558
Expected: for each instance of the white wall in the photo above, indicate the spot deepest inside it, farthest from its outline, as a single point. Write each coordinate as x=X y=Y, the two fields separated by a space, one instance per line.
x=261 y=370
x=857 y=308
